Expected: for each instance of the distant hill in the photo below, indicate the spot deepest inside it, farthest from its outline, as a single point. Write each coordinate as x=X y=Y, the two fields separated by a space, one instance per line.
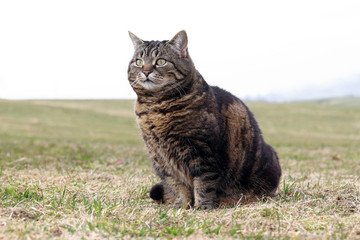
x=347 y=88
x=346 y=101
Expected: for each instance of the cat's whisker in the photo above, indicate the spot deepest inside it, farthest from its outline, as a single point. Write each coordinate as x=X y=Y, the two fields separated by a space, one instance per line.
x=178 y=90
x=134 y=83
x=178 y=87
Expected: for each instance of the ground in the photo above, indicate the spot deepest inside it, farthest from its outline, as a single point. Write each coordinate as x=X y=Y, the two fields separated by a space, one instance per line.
x=79 y=170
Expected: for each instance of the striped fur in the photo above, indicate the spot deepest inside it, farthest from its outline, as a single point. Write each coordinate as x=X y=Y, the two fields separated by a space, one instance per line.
x=204 y=143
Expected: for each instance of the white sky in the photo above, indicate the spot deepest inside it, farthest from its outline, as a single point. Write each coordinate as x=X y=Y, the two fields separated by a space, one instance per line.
x=81 y=49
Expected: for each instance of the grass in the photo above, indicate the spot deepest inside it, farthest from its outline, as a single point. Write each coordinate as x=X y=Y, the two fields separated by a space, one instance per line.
x=79 y=170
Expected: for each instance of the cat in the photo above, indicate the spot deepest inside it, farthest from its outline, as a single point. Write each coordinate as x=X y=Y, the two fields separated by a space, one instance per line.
x=204 y=143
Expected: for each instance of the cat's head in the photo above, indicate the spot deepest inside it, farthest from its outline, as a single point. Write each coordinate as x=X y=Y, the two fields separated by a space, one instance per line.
x=159 y=66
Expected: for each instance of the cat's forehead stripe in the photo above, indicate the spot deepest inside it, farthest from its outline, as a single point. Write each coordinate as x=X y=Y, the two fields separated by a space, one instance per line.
x=152 y=48
x=154 y=52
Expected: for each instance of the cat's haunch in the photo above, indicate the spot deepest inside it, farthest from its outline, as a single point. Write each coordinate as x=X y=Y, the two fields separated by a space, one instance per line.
x=204 y=143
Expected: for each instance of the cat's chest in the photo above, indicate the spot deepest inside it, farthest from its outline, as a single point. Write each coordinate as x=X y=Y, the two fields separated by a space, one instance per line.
x=158 y=124
x=158 y=127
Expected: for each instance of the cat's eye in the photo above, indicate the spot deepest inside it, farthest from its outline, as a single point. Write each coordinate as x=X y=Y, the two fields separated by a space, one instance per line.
x=160 y=62
x=139 y=62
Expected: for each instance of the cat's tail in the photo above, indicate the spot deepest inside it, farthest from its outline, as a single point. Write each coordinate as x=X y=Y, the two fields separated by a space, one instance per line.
x=161 y=192
x=157 y=192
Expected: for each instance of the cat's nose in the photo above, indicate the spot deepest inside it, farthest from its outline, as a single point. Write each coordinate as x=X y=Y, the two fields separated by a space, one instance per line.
x=147 y=72
x=147 y=69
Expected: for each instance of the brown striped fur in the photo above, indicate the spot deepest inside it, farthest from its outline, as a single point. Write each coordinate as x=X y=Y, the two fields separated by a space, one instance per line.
x=204 y=143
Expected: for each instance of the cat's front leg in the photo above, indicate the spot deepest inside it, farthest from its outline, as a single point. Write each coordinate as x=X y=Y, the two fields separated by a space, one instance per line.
x=172 y=189
x=205 y=190
x=183 y=192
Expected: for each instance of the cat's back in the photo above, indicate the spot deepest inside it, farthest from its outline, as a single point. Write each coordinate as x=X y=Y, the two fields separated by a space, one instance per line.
x=233 y=111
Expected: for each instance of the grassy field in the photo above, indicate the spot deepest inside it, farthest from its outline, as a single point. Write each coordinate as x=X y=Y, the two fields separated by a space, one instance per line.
x=79 y=170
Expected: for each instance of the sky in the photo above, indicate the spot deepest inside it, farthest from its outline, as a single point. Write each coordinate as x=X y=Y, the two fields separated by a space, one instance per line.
x=254 y=49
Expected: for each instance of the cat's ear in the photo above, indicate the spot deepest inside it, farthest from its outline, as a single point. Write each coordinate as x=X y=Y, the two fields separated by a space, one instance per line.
x=136 y=40
x=180 y=41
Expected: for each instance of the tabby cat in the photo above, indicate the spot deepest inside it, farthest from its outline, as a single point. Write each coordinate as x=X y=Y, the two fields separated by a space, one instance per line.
x=204 y=143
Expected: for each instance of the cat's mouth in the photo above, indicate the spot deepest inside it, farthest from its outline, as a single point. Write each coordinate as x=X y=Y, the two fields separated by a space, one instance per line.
x=148 y=80
x=149 y=84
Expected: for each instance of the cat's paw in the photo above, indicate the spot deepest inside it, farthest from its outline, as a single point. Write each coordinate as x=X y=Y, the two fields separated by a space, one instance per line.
x=205 y=205
x=181 y=203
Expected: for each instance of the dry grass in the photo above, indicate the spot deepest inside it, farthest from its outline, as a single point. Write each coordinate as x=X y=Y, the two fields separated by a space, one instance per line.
x=78 y=169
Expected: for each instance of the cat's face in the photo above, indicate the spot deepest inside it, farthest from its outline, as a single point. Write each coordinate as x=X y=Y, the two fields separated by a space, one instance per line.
x=159 y=66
